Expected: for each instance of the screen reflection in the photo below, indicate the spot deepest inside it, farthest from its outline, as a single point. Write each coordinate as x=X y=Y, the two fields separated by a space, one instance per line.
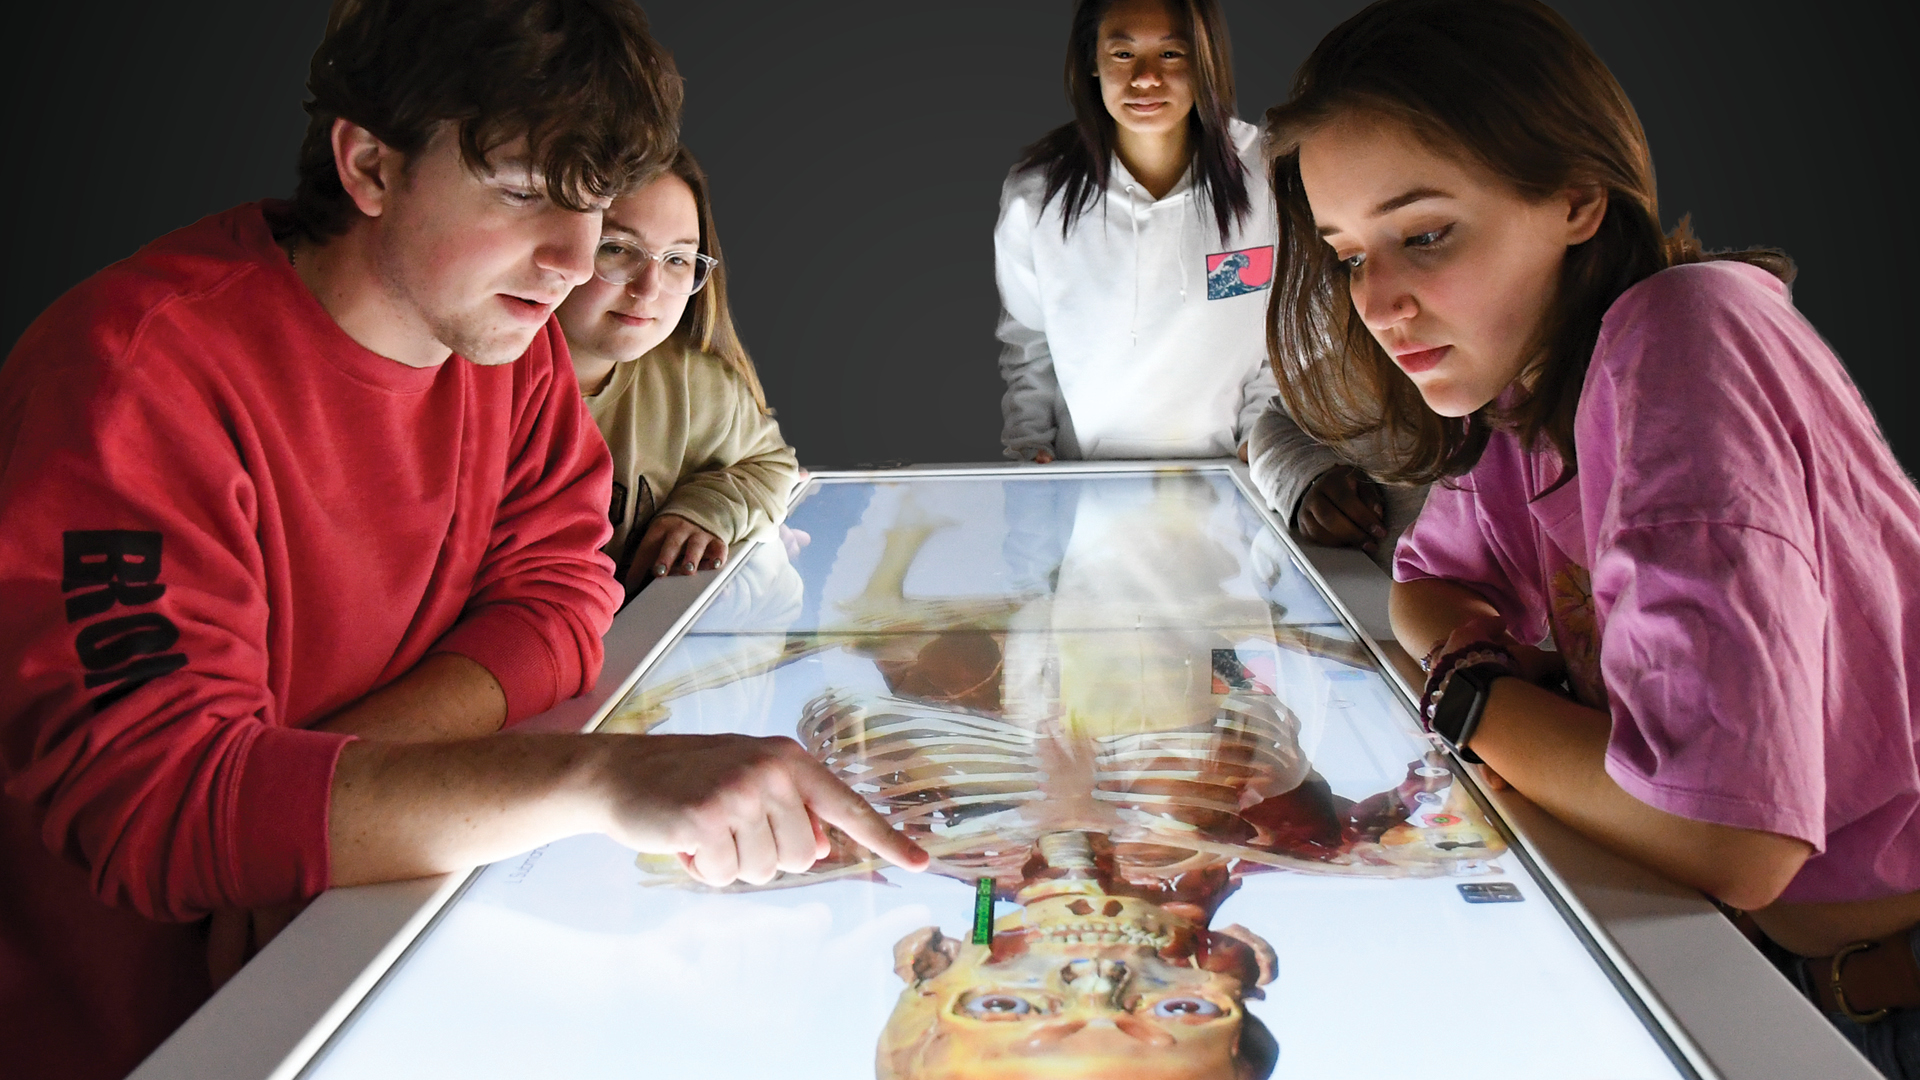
x=1113 y=741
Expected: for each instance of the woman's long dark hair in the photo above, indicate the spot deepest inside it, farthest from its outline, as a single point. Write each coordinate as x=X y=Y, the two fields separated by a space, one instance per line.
x=1510 y=85
x=1076 y=156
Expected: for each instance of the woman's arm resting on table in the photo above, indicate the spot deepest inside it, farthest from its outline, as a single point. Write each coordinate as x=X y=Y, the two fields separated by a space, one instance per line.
x=732 y=806
x=1430 y=611
x=1553 y=751
x=1426 y=612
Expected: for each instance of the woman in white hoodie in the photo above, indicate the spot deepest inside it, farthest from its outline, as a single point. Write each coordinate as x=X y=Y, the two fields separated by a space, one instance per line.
x=1135 y=249
x=1134 y=256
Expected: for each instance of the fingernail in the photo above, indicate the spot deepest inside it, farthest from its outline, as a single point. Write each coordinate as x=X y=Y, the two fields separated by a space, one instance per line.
x=660 y=570
x=1378 y=532
x=687 y=566
x=717 y=563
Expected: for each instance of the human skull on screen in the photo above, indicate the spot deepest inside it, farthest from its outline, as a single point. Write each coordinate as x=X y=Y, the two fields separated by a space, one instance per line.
x=1081 y=983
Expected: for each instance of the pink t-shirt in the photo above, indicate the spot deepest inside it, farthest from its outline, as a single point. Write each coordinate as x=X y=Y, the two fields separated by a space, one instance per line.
x=1734 y=574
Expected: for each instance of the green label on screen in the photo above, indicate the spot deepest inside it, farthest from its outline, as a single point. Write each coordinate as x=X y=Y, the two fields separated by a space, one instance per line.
x=983 y=912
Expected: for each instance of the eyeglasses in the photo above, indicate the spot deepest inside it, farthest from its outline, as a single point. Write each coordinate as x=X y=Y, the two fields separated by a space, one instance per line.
x=617 y=262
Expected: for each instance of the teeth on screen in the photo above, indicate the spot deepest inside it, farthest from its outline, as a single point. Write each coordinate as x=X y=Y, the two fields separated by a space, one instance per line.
x=1106 y=934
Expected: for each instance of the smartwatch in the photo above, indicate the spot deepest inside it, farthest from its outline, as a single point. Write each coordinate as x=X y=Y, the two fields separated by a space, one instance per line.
x=1457 y=713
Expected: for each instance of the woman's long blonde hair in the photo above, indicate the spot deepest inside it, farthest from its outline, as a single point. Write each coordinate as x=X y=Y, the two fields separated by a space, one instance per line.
x=707 y=324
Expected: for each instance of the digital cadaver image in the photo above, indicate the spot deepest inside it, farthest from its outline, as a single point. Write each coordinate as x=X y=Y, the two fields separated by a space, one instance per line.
x=1110 y=742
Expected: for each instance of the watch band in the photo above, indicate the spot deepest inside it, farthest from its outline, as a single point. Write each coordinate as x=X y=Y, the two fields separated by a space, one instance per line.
x=1469 y=655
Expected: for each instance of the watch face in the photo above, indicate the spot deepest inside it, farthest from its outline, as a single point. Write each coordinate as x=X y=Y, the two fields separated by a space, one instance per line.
x=1457 y=712
x=1450 y=715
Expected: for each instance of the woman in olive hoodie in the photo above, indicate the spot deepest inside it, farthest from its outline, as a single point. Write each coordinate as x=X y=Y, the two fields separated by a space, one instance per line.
x=698 y=460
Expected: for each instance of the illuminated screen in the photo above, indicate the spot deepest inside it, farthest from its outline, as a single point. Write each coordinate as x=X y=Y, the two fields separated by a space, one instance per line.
x=1182 y=826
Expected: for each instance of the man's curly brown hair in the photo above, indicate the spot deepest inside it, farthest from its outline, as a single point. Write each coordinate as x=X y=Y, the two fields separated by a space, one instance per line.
x=597 y=99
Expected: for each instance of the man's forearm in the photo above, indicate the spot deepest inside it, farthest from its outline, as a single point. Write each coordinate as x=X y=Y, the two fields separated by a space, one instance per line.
x=736 y=806
x=446 y=696
x=403 y=810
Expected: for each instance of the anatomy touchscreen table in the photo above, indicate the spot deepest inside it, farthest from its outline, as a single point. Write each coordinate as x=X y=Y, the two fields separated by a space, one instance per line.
x=1216 y=842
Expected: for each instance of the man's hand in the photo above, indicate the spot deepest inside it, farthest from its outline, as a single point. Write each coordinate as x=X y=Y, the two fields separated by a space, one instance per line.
x=734 y=807
x=674 y=545
x=739 y=807
x=1343 y=509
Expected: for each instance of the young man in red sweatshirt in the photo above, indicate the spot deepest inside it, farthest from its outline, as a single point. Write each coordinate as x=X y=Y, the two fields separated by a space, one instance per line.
x=299 y=505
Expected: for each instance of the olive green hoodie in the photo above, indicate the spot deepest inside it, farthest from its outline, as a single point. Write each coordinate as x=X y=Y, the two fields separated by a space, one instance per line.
x=689 y=439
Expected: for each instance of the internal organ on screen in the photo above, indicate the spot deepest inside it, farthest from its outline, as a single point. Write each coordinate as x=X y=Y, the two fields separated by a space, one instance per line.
x=1175 y=813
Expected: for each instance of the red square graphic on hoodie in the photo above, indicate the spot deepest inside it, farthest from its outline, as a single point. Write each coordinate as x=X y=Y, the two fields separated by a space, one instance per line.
x=1236 y=273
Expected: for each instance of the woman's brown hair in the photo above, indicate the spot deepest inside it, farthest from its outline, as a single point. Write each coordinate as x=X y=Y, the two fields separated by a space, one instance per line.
x=707 y=324
x=1076 y=155
x=1509 y=85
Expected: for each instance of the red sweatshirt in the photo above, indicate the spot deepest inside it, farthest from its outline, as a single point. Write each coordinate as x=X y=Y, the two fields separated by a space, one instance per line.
x=221 y=519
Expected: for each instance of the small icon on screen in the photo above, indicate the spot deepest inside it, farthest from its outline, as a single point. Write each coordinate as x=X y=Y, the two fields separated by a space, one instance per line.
x=1491 y=892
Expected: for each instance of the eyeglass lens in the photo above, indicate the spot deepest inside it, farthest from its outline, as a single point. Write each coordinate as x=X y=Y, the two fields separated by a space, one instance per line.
x=618 y=262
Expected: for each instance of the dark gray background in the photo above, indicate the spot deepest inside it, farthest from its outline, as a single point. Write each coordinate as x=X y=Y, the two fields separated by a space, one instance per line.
x=857 y=148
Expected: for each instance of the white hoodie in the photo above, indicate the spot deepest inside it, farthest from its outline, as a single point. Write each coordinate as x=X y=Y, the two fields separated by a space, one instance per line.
x=1140 y=334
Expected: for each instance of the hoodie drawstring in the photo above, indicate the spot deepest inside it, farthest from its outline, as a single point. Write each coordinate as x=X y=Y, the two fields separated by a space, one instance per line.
x=1133 y=215
x=1180 y=252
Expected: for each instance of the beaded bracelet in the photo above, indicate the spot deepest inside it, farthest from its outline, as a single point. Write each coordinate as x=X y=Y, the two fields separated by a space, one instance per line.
x=1472 y=654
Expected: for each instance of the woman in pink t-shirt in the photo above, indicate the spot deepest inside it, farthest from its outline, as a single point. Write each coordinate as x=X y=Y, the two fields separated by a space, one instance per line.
x=1646 y=454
